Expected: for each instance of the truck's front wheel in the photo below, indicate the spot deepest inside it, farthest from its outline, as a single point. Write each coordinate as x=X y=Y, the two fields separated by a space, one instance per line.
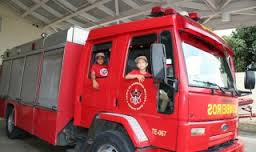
x=112 y=141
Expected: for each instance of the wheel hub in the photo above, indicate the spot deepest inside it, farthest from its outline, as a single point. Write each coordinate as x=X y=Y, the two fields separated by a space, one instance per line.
x=107 y=148
x=10 y=122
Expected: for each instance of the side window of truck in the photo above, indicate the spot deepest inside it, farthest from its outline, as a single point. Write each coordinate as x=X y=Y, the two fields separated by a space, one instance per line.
x=100 y=59
x=140 y=46
x=165 y=38
x=166 y=93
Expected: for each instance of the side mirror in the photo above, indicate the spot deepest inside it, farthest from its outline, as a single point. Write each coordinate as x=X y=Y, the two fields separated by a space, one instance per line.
x=158 y=59
x=249 y=80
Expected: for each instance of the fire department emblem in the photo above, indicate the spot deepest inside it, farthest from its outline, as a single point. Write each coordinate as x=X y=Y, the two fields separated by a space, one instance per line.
x=136 y=96
x=104 y=72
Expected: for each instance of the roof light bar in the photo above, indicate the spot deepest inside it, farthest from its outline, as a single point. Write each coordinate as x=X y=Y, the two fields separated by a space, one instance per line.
x=169 y=11
x=159 y=11
x=194 y=16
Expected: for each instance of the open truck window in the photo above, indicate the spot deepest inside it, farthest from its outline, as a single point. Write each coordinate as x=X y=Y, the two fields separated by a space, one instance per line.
x=103 y=49
x=140 y=46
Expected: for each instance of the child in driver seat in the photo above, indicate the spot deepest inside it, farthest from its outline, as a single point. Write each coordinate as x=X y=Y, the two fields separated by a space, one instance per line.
x=141 y=72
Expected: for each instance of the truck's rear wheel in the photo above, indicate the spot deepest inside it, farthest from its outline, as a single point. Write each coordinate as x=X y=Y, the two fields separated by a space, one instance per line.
x=11 y=130
x=112 y=141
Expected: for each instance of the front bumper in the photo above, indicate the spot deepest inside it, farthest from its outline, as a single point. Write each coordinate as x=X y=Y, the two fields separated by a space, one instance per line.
x=237 y=146
x=234 y=146
x=151 y=150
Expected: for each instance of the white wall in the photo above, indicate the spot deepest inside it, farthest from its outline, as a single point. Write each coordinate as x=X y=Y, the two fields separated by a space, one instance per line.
x=15 y=30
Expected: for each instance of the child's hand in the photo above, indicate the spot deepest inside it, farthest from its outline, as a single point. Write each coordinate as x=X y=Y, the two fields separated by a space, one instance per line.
x=140 y=77
x=95 y=85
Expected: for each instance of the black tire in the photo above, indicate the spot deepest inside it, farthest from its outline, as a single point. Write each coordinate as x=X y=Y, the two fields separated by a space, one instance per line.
x=116 y=140
x=81 y=146
x=11 y=130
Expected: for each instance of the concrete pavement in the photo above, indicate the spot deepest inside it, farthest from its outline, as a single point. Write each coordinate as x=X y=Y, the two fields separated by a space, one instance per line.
x=29 y=144
x=33 y=144
x=249 y=140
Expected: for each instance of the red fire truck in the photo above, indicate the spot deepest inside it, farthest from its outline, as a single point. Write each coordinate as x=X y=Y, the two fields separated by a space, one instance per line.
x=189 y=103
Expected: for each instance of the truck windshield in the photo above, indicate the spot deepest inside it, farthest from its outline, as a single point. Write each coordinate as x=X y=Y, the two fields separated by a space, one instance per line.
x=205 y=68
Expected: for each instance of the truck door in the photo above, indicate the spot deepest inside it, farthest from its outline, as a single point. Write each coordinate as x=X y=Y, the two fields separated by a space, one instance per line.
x=134 y=94
x=95 y=98
x=150 y=101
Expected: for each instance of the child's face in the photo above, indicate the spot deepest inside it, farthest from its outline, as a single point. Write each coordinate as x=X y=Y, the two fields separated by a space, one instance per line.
x=142 y=64
x=100 y=60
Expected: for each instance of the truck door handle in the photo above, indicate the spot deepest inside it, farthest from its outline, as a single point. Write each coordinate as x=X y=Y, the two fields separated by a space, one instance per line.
x=117 y=103
x=80 y=98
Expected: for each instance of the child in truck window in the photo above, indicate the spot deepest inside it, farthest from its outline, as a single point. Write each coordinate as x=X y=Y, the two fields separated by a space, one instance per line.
x=99 y=70
x=141 y=72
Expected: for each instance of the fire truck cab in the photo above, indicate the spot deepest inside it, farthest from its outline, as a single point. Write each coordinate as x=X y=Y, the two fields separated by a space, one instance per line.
x=188 y=103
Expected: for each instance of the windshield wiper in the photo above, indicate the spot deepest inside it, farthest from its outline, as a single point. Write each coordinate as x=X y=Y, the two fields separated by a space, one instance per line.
x=212 y=84
x=235 y=91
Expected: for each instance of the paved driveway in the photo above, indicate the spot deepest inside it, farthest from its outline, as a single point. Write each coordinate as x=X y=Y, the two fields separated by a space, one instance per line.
x=249 y=140
x=30 y=144
x=33 y=144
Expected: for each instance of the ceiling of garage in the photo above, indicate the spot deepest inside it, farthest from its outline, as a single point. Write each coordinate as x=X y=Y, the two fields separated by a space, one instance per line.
x=55 y=15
